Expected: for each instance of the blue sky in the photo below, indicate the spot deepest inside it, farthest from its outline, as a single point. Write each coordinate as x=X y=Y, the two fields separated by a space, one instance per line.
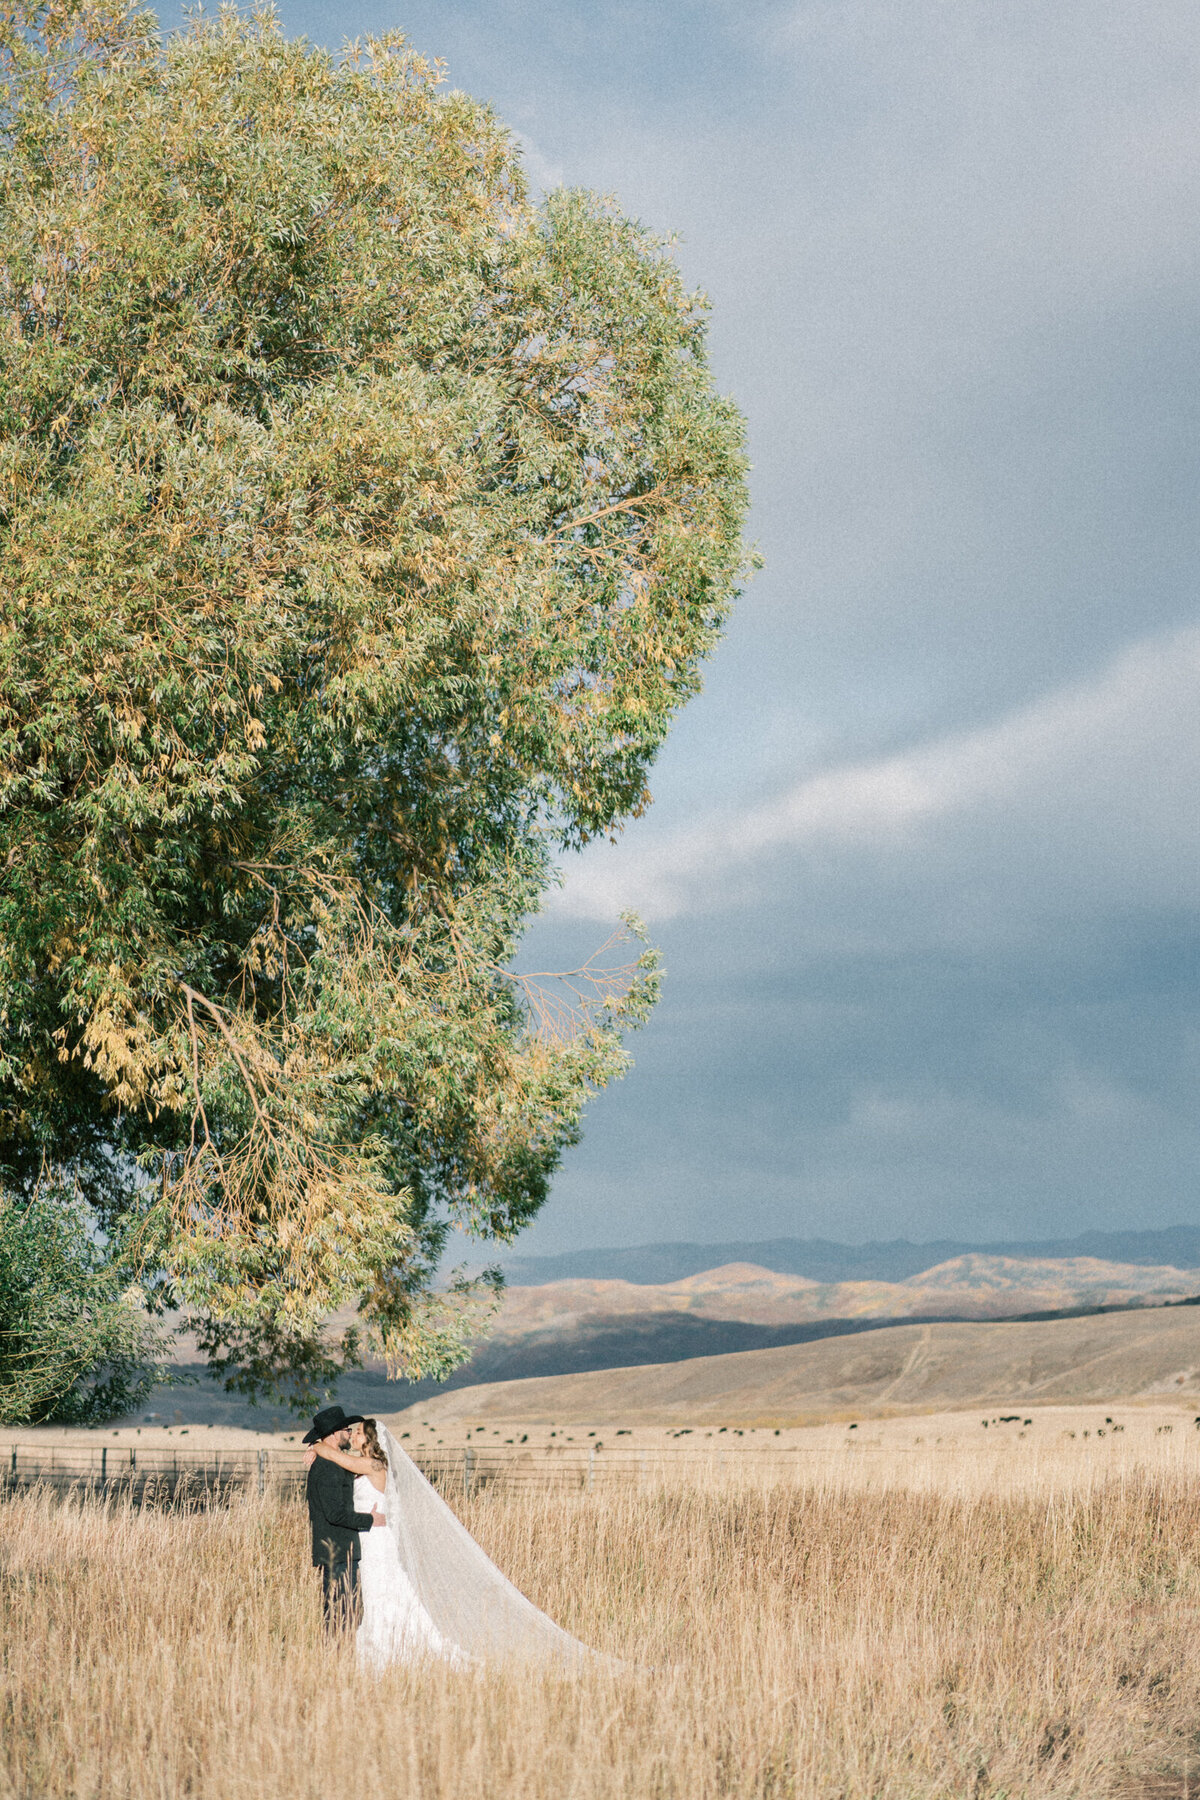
x=923 y=857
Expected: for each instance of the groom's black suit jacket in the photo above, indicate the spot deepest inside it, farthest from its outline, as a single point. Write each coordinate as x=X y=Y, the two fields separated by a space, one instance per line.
x=335 y=1524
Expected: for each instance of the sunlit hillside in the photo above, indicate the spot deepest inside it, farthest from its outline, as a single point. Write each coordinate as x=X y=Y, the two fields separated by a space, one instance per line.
x=1145 y=1353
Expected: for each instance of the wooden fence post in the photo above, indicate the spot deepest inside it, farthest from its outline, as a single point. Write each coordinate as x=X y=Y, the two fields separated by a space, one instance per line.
x=262 y=1473
x=468 y=1467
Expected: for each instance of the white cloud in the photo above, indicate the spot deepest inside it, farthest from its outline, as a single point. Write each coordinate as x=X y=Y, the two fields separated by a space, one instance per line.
x=1085 y=799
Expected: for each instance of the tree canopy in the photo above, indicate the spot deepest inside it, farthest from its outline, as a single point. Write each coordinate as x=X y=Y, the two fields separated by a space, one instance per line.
x=363 y=523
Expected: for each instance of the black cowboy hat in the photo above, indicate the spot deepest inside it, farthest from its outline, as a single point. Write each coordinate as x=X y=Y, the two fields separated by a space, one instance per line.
x=326 y=1422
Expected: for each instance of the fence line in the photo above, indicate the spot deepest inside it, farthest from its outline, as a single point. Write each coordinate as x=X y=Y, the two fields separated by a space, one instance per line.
x=168 y=1472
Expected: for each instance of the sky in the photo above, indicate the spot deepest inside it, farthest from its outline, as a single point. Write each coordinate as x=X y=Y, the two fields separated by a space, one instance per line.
x=922 y=861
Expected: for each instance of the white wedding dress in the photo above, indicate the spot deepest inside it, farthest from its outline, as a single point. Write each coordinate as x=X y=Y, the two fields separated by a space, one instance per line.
x=395 y=1626
x=430 y=1592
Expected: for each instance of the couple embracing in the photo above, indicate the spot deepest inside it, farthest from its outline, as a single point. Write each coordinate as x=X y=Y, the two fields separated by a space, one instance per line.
x=390 y=1548
x=352 y=1545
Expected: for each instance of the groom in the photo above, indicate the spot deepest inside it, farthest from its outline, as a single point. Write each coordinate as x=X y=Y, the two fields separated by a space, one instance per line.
x=335 y=1524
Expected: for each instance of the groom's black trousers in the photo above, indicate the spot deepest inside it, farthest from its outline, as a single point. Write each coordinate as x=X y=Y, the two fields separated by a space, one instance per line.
x=339 y=1592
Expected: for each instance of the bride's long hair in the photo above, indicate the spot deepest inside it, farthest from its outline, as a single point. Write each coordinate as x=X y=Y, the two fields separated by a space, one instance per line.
x=371 y=1444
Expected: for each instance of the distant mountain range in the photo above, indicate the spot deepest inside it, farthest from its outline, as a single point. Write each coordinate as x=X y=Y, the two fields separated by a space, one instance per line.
x=821 y=1259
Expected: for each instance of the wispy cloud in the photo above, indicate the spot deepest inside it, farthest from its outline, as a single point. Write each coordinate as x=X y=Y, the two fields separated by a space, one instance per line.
x=1084 y=796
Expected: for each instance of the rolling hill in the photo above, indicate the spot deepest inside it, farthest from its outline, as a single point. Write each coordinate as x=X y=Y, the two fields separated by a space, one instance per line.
x=1141 y=1354
x=971 y=1286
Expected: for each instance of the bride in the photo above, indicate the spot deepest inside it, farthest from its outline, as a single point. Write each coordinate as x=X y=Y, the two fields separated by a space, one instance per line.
x=428 y=1589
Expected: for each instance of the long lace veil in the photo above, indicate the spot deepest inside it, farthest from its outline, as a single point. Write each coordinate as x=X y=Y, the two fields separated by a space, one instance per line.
x=473 y=1607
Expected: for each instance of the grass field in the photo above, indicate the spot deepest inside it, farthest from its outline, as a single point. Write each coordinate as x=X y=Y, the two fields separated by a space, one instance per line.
x=847 y=1637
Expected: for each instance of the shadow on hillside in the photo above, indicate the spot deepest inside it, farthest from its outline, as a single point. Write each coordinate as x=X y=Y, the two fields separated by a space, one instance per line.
x=620 y=1342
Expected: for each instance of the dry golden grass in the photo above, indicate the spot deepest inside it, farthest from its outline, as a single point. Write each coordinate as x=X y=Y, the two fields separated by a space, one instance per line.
x=836 y=1640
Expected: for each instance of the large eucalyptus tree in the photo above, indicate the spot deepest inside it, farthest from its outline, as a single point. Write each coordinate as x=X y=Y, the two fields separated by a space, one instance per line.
x=362 y=525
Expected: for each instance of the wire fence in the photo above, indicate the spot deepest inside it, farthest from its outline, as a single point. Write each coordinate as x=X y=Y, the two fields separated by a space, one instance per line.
x=149 y=1474
x=164 y=1474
